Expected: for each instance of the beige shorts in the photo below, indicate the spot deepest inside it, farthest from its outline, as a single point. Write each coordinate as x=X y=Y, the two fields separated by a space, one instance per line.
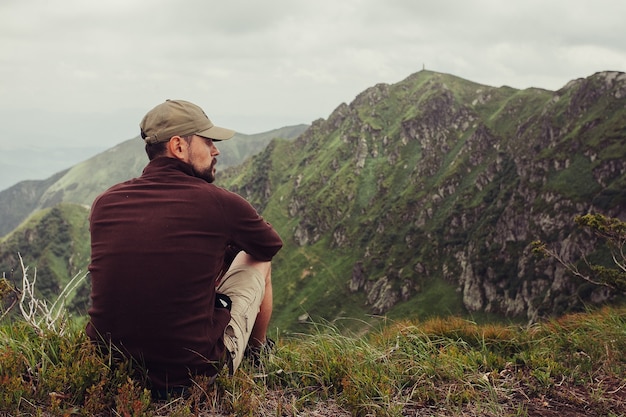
x=245 y=286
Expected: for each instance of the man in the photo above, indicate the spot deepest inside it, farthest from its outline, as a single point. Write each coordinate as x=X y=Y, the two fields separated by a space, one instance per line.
x=164 y=289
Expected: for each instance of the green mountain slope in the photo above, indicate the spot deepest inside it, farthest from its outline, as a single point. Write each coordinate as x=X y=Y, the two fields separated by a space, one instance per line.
x=21 y=199
x=423 y=198
x=54 y=245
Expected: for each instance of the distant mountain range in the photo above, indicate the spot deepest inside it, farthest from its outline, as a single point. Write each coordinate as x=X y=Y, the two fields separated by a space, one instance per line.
x=418 y=198
x=27 y=162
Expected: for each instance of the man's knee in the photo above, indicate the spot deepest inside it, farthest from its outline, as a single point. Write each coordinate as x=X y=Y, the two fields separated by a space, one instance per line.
x=264 y=267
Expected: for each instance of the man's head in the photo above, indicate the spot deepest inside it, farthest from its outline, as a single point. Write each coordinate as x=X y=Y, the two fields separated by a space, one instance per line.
x=180 y=129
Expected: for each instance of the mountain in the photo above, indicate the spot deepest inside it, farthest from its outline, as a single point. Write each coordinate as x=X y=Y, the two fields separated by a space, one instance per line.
x=423 y=198
x=81 y=183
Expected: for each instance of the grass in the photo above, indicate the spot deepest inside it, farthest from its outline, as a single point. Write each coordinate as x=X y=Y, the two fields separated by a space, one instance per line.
x=442 y=366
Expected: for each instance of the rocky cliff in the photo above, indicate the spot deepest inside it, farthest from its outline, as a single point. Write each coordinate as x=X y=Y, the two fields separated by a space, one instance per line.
x=437 y=178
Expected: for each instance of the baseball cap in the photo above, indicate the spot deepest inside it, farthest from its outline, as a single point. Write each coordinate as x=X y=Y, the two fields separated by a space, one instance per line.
x=179 y=118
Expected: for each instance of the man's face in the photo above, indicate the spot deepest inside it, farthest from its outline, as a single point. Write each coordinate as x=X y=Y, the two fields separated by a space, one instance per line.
x=202 y=153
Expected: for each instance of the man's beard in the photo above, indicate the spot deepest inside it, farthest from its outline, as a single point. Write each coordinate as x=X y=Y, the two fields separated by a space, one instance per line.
x=207 y=174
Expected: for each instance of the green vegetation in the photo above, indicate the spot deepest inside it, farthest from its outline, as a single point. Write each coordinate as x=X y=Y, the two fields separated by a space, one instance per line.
x=612 y=273
x=447 y=366
x=576 y=181
x=435 y=300
x=54 y=243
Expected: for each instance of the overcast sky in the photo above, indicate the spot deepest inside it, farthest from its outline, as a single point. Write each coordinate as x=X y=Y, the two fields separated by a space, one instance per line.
x=82 y=73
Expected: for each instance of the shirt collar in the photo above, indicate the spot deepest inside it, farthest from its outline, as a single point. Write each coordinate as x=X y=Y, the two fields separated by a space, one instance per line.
x=163 y=163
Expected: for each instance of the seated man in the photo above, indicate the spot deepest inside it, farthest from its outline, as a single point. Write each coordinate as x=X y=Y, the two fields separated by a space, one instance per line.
x=180 y=268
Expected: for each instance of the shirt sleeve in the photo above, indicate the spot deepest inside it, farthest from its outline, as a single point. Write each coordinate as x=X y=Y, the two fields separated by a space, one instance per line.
x=249 y=231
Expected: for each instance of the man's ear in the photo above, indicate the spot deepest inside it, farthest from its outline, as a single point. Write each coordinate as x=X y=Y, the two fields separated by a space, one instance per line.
x=178 y=148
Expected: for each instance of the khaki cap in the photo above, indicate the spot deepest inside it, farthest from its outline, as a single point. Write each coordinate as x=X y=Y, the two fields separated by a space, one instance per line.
x=179 y=118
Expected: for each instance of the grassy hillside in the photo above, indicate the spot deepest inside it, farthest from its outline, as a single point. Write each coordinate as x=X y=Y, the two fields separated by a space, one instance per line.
x=572 y=366
x=54 y=246
x=20 y=200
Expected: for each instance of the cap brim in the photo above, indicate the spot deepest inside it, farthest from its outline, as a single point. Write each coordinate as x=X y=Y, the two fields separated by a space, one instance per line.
x=217 y=133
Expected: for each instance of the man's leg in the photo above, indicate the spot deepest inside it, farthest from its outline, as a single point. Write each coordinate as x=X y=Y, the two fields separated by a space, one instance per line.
x=248 y=284
x=259 y=331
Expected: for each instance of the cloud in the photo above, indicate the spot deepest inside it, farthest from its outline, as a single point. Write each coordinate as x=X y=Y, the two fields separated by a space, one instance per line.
x=92 y=66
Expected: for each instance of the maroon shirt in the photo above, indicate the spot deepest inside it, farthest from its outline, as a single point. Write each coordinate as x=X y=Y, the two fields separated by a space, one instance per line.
x=157 y=246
